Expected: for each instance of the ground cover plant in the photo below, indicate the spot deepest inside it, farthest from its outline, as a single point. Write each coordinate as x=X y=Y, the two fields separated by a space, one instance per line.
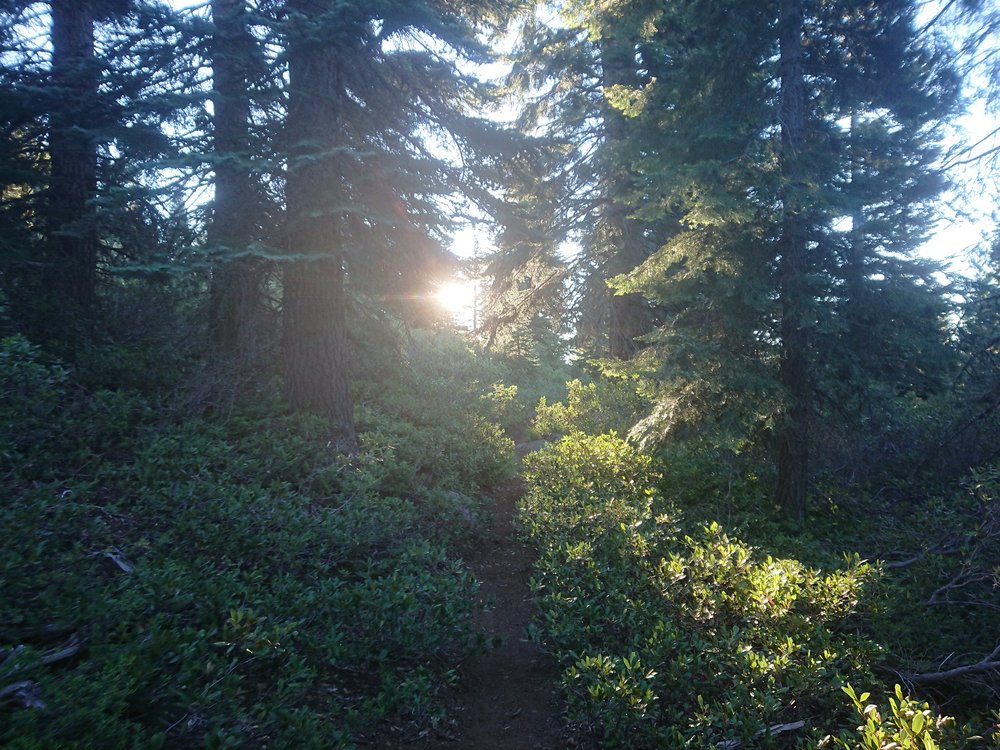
x=289 y=287
x=230 y=581
x=673 y=637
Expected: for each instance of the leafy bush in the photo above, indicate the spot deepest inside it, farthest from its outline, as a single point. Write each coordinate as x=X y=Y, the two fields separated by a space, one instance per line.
x=434 y=422
x=673 y=639
x=214 y=597
x=907 y=725
x=230 y=581
x=31 y=392
x=595 y=407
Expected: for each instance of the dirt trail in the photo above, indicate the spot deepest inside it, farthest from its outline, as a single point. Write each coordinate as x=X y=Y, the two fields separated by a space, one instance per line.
x=507 y=698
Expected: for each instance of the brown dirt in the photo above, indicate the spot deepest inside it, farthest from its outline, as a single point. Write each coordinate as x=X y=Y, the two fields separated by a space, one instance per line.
x=506 y=699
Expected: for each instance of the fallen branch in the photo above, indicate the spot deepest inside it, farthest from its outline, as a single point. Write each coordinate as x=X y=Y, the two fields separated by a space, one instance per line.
x=961 y=579
x=9 y=656
x=71 y=649
x=37 y=633
x=769 y=732
x=115 y=555
x=24 y=692
x=989 y=663
x=68 y=650
x=921 y=555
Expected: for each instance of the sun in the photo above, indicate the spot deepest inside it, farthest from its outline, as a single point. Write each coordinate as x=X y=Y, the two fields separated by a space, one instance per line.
x=456 y=296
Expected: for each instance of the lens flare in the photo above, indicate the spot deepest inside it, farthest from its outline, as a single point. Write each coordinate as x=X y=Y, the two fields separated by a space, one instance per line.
x=456 y=296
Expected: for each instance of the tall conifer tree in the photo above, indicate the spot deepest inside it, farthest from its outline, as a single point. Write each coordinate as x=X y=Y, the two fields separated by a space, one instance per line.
x=367 y=83
x=234 y=289
x=75 y=119
x=744 y=131
x=568 y=71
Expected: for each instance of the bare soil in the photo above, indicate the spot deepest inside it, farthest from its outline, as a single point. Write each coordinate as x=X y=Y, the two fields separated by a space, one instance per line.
x=506 y=699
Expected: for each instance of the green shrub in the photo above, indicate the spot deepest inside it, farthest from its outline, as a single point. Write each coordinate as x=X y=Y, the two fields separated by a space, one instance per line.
x=672 y=639
x=908 y=724
x=31 y=393
x=595 y=407
x=231 y=581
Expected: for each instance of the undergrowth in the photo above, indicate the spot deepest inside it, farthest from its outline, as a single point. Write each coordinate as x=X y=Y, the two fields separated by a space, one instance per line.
x=677 y=630
x=229 y=580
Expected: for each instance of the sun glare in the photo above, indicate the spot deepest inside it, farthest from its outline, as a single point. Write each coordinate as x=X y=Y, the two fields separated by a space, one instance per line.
x=456 y=297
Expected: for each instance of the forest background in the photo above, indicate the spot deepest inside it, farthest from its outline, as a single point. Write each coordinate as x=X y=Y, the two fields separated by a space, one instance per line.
x=244 y=438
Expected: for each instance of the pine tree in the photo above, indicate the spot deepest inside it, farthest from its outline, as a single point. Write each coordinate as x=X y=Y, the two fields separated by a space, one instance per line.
x=84 y=126
x=235 y=278
x=973 y=437
x=742 y=132
x=315 y=342
x=793 y=268
x=568 y=72
x=363 y=190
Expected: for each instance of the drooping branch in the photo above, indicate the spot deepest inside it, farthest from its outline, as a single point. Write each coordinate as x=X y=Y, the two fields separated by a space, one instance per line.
x=989 y=663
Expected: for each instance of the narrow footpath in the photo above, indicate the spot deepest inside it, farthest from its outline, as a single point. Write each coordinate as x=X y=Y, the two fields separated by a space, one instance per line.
x=507 y=698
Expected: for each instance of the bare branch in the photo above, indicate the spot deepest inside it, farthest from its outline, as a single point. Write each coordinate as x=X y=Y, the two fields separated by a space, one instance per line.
x=989 y=663
x=24 y=692
x=769 y=732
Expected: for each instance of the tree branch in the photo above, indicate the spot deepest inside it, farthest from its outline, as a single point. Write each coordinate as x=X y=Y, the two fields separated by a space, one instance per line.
x=989 y=663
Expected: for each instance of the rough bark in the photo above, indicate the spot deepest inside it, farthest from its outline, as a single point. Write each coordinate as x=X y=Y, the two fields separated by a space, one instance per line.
x=71 y=265
x=316 y=346
x=793 y=374
x=628 y=313
x=234 y=288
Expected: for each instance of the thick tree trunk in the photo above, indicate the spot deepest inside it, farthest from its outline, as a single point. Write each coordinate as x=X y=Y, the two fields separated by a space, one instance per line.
x=793 y=435
x=234 y=289
x=316 y=343
x=628 y=316
x=71 y=266
x=315 y=330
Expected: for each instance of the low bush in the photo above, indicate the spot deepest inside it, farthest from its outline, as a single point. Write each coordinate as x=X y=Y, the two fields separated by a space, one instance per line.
x=673 y=636
x=595 y=407
x=229 y=581
x=908 y=724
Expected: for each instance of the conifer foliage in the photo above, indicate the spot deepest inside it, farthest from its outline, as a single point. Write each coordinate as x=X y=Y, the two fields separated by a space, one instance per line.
x=365 y=81
x=795 y=227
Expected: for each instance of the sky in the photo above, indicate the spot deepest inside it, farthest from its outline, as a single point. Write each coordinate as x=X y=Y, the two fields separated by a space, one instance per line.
x=968 y=211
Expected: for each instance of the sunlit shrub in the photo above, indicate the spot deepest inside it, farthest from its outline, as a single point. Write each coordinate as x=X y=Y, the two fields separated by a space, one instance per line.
x=671 y=636
x=908 y=724
x=594 y=407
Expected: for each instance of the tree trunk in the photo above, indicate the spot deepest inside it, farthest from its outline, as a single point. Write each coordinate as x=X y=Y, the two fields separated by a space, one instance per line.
x=315 y=330
x=316 y=343
x=234 y=289
x=71 y=266
x=793 y=440
x=628 y=313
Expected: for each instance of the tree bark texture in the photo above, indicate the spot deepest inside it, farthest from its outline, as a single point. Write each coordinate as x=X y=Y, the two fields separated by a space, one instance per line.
x=71 y=266
x=628 y=316
x=234 y=288
x=316 y=346
x=793 y=373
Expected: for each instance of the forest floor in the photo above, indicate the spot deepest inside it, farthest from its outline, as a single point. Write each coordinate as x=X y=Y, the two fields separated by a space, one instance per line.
x=507 y=697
